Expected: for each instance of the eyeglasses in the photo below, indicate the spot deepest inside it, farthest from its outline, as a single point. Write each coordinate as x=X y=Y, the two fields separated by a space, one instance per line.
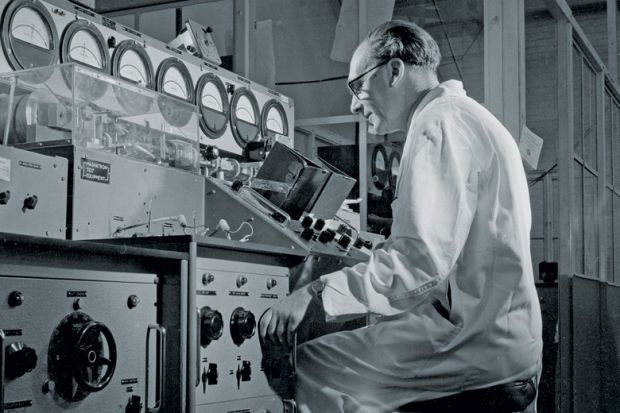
x=356 y=84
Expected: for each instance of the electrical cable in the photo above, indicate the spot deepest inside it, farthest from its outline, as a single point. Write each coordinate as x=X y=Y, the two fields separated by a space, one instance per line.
x=539 y=178
x=301 y=82
x=443 y=26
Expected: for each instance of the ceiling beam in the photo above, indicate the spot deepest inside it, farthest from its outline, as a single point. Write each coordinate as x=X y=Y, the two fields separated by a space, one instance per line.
x=113 y=8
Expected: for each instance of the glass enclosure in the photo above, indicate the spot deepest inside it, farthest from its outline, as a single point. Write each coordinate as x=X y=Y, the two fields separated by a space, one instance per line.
x=75 y=105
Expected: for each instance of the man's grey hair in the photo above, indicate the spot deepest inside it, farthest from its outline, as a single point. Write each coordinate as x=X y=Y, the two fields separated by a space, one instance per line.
x=406 y=41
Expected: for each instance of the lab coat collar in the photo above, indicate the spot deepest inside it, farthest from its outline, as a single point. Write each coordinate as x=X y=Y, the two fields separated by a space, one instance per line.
x=447 y=88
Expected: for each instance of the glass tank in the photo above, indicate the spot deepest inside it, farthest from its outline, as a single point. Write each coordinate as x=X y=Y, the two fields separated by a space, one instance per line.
x=70 y=104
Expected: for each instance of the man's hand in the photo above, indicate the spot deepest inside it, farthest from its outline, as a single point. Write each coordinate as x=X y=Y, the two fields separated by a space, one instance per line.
x=280 y=322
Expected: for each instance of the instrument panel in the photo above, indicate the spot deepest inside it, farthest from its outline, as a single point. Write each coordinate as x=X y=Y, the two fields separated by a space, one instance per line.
x=233 y=110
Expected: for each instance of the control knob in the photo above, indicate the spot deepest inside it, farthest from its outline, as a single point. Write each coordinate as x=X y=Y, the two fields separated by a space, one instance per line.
x=20 y=360
x=30 y=202
x=16 y=298
x=242 y=325
x=4 y=197
x=211 y=325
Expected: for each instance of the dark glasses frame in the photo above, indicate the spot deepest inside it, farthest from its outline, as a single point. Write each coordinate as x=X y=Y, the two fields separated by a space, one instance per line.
x=353 y=85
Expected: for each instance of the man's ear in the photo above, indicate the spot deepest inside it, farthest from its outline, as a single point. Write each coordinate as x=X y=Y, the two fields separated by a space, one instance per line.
x=397 y=71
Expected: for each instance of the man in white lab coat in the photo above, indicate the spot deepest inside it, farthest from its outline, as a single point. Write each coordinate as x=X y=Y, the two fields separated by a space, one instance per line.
x=454 y=281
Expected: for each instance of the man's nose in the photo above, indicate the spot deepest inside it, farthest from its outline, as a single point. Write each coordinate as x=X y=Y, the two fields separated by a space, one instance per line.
x=356 y=106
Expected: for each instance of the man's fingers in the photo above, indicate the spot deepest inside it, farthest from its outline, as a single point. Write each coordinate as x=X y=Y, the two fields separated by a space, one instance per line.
x=263 y=322
x=281 y=331
x=272 y=329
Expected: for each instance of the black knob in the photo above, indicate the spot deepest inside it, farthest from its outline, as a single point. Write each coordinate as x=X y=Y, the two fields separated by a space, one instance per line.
x=16 y=298
x=327 y=235
x=210 y=153
x=319 y=224
x=4 y=197
x=246 y=370
x=211 y=325
x=242 y=325
x=20 y=360
x=307 y=234
x=237 y=185
x=344 y=241
x=307 y=222
x=133 y=301
x=134 y=405
x=30 y=202
x=211 y=374
x=111 y=42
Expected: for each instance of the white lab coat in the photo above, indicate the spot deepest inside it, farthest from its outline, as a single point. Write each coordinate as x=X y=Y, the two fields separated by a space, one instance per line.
x=460 y=240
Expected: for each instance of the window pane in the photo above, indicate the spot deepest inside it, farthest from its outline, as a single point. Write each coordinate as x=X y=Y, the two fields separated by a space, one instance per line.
x=616 y=230
x=577 y=217
x=592 y=17
x=609 y=234
x=608 y=138
x=541 y=79
x=589 y=117
x=537 y=203
x=577 y=102
x=615 y=114
x=590 y=202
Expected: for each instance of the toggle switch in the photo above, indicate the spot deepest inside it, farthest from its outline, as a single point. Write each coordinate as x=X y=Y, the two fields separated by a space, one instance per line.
x=271 y=282
x=207 y=278
x=134 y=405
x=241 y=281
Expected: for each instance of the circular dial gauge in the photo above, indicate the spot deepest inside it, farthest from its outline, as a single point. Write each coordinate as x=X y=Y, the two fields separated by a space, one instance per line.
x=273 y=119
x=379 y=167
x=133 y=68
x=174 y=84
x=131 y=62
x=244 y=114
x=244 y=110
x=174 y=80
x=212 y=101
x=394 y=168
x=29 y=26
x=211 y=98
x=83 y=49
x=28 y=34
x=83 y=43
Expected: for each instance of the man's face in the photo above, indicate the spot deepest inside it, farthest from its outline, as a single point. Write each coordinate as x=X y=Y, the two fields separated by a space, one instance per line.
x=368 y=83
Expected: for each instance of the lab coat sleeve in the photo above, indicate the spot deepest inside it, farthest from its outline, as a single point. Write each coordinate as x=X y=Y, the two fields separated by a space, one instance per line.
x=436 y=203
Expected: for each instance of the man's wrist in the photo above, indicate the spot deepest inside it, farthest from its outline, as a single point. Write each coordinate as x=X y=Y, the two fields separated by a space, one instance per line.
x=316 y=288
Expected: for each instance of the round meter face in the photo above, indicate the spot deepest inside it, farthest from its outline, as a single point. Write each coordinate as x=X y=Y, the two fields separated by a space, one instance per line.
x=212 y=101
x=131 y=62
x=29 y=26
x=244 y=110
x=211 y=97
x=273 y=119
x=85 y=48
x=174 y=84
x=244 y=117
x=28 y=34
x=275 y=123
x=131 y=67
